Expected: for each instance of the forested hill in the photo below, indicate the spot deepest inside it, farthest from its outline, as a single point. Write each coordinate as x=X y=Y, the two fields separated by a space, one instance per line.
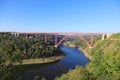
x=15 y=49
x=20 y=47
x=105 y=63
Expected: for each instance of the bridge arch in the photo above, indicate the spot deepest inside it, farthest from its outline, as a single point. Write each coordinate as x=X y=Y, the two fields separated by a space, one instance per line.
x=66 y=36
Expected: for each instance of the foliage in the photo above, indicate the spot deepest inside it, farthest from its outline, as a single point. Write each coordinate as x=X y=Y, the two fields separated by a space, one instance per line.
x=116 y=36
x=78 y=43
x=39 y=78
x=14 y=49
x=10 y=72
x=105 y=64
x=21 y=48
x=80 y=73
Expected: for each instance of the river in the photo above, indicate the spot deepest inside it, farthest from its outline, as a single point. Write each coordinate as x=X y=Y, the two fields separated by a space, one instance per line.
x=51 y=70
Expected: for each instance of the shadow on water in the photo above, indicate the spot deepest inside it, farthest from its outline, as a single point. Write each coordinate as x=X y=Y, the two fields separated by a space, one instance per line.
x=51 y=70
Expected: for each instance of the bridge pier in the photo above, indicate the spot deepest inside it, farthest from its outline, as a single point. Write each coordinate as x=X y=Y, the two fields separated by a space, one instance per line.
x=15 y=34
x=103 y=36
x=83 y=39
x=90 y=47
x=106 y=36
x=55 y=39
x=91 y=40
x=57 y=44
x=45 y=38
x=26 y=35
x=35 y=36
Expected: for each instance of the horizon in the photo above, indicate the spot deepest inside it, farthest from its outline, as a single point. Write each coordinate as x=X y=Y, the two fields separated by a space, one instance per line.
x=59 y=32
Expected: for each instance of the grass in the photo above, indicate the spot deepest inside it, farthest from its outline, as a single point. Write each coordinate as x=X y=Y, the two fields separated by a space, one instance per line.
x=116 y=36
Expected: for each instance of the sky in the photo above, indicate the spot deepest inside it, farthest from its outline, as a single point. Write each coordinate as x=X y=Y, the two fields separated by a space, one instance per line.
x=60 y=15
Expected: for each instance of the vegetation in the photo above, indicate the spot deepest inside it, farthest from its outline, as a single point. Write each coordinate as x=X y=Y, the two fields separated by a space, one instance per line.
x=116 y=36
x=15 y=49
x=80 y=43
x=39 y=78
x=105 y=64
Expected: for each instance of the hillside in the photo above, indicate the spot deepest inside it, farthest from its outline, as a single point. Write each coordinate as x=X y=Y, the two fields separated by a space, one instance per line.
x=17 y=51
x=116 y=36
x=105 y=63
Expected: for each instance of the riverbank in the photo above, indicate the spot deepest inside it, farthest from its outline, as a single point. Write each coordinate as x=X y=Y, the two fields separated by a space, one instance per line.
x=38 y=60
x=85 y=51
x=52 y=70
x=42 y=60
x=104 y=64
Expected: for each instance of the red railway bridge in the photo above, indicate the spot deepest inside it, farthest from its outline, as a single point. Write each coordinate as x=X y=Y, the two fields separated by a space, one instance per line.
x=65 y=36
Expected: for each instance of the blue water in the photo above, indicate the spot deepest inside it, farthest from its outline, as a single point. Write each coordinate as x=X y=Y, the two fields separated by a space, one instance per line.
x=51 y=70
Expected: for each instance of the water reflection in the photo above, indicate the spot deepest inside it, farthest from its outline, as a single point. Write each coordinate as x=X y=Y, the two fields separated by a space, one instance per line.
x=51 y=70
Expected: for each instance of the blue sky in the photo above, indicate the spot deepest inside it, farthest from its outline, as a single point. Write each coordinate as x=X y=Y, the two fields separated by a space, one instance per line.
x=60 y=15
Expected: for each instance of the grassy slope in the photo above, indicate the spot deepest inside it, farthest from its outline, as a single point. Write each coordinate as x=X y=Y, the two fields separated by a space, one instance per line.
x=105 y=64
x=116 y=36
x=108 y=45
